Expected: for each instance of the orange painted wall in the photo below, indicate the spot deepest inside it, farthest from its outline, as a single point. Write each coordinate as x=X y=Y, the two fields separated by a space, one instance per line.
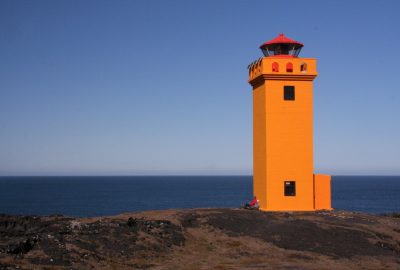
x=283 y=133
x=322 y=187
x=260 y=155
x=289 y=146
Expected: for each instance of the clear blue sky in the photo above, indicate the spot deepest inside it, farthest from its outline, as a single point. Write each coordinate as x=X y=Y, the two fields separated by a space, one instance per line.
x=160 y=87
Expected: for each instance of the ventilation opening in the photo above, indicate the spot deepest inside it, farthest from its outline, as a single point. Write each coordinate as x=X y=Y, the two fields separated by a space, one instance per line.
x=275 y=67
x=303 y=67
x=289 y=67
x=290 y=188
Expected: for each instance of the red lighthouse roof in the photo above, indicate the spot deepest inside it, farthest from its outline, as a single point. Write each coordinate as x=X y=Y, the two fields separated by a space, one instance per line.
x=281 y=46
x=282 y=39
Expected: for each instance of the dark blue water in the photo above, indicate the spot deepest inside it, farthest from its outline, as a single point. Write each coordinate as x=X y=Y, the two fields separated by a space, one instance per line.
x=98 y=196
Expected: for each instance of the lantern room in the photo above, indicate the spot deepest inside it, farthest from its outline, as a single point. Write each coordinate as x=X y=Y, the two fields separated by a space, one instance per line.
x=281 y=46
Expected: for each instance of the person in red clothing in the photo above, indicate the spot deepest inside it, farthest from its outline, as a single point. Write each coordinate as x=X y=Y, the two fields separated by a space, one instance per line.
x=253 y=204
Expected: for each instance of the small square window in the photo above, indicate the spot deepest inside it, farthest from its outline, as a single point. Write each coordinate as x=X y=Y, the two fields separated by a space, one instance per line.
x=288 y=92
x=290 y=188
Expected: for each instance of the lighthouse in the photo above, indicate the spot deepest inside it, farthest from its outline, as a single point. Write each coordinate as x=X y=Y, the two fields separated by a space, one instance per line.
x=283 y=170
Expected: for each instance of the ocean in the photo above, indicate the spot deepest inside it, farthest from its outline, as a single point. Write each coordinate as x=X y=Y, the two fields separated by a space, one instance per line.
x=111 y=195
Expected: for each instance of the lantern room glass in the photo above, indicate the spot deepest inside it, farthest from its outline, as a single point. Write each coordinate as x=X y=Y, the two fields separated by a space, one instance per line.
x=290 y=49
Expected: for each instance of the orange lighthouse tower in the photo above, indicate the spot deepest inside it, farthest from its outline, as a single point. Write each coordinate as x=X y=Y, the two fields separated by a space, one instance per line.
x=283 y=178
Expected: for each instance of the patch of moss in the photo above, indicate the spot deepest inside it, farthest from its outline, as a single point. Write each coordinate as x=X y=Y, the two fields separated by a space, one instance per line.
x=393 y=215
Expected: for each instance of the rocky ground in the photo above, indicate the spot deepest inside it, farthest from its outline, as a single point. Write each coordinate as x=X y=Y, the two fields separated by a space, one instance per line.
x=202 y=239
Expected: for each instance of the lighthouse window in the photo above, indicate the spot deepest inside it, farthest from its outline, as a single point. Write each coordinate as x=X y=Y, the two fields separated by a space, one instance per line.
x=303 y=67
x=290 y=188
x=275 y=67
x=289 y=67
x=288 y=92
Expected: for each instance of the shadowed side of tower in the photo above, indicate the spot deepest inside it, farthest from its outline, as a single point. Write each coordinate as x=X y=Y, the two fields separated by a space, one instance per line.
x=283 y=178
